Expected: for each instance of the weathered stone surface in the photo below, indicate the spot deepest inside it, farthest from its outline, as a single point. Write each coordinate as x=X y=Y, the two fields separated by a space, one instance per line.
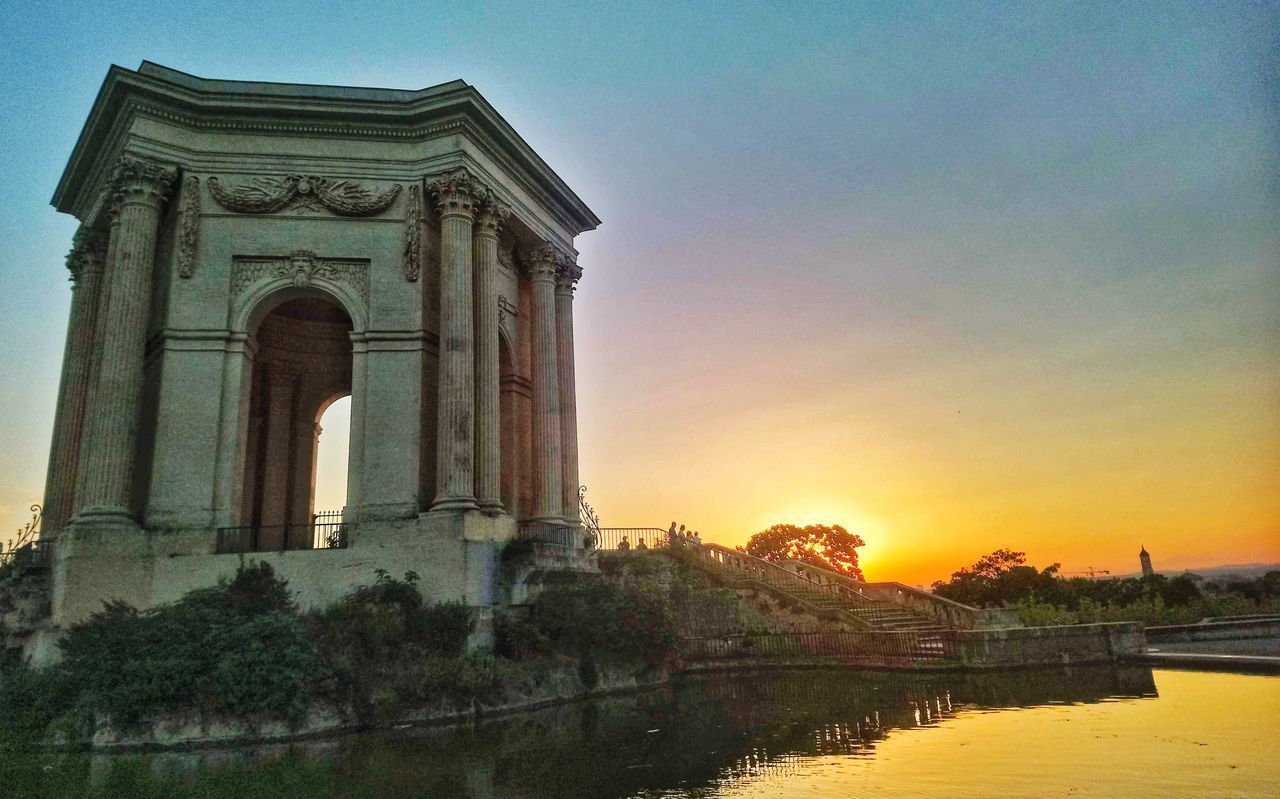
x=250 y=252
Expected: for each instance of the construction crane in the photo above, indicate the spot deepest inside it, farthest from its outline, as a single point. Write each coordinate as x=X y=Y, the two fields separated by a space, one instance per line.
x=1090 y=573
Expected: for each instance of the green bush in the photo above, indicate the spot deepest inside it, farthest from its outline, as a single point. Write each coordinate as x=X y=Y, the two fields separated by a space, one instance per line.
x=235 y=649
x=586 y=614
x=459 y=679
x=375 y=640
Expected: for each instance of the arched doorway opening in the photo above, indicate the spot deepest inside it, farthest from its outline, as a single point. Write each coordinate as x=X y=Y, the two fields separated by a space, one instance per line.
x=301 y=367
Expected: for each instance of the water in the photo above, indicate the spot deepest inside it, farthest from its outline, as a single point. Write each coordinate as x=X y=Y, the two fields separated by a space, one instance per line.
x=1105 y=732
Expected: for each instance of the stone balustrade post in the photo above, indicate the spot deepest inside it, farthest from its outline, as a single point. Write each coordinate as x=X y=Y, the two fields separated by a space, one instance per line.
x=111 y=441
x=488 y=413
x=85 y=261
x=567 y=281
x=547 y=461
x=457 y=197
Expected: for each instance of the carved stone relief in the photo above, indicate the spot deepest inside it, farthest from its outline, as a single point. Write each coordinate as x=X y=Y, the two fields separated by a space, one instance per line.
x=413 y=235
x=188 y=226
x=303 y=193
x=301 y=267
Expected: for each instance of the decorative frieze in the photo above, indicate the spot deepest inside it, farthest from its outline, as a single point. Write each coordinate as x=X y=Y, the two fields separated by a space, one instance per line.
x=413 y=235
x=301 y=267
x=303 y=193
x=188 y=226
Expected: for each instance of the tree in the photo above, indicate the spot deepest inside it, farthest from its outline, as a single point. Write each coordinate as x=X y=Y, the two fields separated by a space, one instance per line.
x=1000 y=578
x=826 y=546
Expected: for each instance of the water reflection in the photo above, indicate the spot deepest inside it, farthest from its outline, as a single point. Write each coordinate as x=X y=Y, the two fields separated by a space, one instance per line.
x=702 y=736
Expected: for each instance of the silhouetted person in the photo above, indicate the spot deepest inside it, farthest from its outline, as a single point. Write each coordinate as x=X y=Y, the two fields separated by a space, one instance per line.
x=642 y=545
x=624 y=545
x=672 y=535
x=697 y=539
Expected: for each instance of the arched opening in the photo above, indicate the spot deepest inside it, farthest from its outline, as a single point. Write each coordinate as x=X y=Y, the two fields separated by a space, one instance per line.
x=301 y=366
x=333 y=450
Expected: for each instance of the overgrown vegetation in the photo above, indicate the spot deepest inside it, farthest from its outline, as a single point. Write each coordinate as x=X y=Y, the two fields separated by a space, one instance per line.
x=243 y=650
x=238 y=649
x=1043 y=597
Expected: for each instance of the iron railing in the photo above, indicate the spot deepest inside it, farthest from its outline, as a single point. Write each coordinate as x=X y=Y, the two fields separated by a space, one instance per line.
x=27 y=551
x=623 y=539
x=325 y=531
x=556 y=534
x=31 y=555
x=887 y=648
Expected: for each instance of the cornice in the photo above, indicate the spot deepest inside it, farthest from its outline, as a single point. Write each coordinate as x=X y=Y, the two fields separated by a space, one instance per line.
x=316 y=111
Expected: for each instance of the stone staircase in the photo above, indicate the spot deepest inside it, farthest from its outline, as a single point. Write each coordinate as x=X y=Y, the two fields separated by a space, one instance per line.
x=825 y=595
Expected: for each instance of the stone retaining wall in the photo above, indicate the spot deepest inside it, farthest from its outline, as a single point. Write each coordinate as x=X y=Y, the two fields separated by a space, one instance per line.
x=1037 y=646
x=1214 y=631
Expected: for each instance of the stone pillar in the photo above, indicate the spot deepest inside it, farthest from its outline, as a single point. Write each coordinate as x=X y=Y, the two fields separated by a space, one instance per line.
x=547 y=465
x=237 y=381
x=488 y=408
x=565 y=285
x=282 y=386
x=85 y=262
x=457 y=196
x=110 y=445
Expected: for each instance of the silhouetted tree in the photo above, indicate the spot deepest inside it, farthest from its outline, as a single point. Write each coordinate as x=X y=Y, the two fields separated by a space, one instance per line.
x=826 y=546
x=1000 y=578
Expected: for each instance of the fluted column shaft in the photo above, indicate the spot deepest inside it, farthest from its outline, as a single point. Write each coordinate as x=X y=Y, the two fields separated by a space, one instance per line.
x=568 y=278
x=85 y=263
x=110 y=445
x=456 y=199
x=488 y=418
x=548 y=469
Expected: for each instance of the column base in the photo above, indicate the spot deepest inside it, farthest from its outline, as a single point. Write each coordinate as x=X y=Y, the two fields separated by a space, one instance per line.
x=492 y=507
x=103 y=516
x=454 y=504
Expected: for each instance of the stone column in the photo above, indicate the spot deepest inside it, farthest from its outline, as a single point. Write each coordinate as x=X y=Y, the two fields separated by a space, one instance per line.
x=457 y=196
x=547 y=466
x=488 y=409
x=565 y=285
x=276 y=488
x=85 y=262
x=237 y=381
x=111 y=442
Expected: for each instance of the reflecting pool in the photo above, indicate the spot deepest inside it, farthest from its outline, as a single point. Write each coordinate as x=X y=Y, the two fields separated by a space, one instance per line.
x=1105 y=732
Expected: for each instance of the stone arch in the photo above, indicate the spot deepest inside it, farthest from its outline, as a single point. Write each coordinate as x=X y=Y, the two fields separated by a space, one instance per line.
x=300 y=362
x=258 y=286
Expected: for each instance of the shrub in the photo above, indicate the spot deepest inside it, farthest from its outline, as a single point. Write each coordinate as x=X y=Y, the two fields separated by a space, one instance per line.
x=375 y=640
x=590 y=614
x=238 y=648
x=460 y=679
x=517 y=638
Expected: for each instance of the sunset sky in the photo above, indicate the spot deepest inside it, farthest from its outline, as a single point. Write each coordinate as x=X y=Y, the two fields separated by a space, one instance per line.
x=957 y=277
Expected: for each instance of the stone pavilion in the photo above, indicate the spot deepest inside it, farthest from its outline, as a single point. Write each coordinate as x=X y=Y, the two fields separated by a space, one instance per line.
x=250 y=252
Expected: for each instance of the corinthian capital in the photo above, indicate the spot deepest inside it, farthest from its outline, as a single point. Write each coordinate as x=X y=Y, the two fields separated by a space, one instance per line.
x=138 y=181
x=88 y=253
x=568 y=273
x=490 y=215
x=457 y=193
x=541 y=262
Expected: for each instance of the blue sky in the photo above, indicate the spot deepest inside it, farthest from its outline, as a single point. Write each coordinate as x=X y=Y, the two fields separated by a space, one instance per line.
x=923 y=268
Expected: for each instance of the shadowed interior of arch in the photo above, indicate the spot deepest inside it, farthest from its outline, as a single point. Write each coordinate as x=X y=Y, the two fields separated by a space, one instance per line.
x=301 y=366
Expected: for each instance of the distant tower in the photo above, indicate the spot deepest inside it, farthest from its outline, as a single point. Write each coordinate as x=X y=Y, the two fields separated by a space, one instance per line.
x=1145 y=558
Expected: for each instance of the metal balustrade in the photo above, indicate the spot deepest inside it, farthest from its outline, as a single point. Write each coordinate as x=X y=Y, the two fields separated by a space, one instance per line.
x=876 y=647
x=325 y=531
